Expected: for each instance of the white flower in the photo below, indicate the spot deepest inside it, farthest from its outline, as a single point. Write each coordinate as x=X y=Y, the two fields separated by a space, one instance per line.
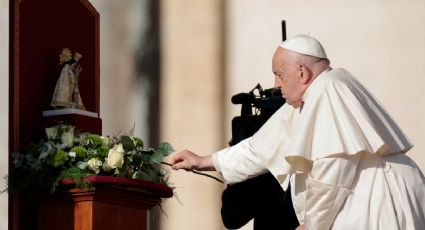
x=116 y=156
x=105 y=140
x=72 y=154
x=51 y=133
x=118 y=148
x=68 y=138
x=82 y=164
x=94 y=165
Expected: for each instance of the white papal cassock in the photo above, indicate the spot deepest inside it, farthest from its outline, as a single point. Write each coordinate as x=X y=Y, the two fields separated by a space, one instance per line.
x=344 y=156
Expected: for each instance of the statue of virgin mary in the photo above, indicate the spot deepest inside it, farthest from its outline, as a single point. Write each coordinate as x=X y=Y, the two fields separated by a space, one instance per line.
x=67 y=94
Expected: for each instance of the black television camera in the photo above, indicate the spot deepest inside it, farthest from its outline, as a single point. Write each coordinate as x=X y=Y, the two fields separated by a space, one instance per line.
x=256 y=109
x=260 y=198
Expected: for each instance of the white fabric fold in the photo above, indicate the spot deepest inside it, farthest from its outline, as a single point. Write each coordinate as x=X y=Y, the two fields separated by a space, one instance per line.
x=339 y=120
x=328 y=185
x=340 y=116
x=323 y=203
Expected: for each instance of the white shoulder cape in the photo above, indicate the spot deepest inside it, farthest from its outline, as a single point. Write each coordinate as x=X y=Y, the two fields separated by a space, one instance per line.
x=340 y=116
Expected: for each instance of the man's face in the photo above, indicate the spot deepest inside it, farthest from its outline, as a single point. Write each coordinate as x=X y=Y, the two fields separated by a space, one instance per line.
x=288 y=76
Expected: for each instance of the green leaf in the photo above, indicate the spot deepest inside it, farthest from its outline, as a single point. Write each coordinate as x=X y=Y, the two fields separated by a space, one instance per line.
x=18 y=159
x=145 y=158
x=157 y=157
x=127 y=143
x=94 y=140
x=138 y=141
x=153 y=174
x=102 y=151
x=165 y=149
x=142 y=176
x=116 y=171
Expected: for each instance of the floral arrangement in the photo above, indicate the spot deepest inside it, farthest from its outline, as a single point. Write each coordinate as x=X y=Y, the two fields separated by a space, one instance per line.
x=65 y=153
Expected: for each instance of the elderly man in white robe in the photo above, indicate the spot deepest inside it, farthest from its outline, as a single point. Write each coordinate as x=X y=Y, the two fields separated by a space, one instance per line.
x=334 y=142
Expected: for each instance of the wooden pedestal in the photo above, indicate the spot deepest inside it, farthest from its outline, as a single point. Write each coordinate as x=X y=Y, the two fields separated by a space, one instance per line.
x=112 y=203
x=39 y=30
x=80 y=122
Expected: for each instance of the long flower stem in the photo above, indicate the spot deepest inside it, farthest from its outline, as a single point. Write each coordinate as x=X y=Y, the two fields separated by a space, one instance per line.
x=197 y=172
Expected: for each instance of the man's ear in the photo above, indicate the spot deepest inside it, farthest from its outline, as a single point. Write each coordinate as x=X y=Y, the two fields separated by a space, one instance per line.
x=305 y=74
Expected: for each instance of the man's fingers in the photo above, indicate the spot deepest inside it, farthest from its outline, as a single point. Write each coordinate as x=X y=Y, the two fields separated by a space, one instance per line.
x=176 y=158
x=183 y=164
x=180 y=165
x=179 y=161
x=184 y=160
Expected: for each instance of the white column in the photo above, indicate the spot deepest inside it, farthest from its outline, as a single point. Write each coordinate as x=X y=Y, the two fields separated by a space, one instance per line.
x=191 y=106
x=4 y=105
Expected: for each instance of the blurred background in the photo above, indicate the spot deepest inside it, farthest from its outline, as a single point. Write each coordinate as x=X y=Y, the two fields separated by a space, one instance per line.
x=169 y=69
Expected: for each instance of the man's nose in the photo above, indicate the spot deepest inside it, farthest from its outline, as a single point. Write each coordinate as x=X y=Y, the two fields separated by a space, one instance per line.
x=277 y=83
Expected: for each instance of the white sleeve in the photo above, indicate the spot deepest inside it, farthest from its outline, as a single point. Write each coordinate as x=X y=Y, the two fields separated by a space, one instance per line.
x=238 y=163
x=328 y=186
x=261 y=152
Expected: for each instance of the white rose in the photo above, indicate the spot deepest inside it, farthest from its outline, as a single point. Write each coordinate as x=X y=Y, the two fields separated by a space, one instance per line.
x=116 y=157
x=118 y=148
x=94 y=164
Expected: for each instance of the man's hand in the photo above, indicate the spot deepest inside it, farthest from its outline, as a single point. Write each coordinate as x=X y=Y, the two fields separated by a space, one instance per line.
x=188 y=160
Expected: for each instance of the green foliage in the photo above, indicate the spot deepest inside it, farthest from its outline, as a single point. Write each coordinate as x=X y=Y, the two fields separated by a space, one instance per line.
x=59 y=158
x=127 y=143
x=91 y=141
x=79 y=151
x=65 y=154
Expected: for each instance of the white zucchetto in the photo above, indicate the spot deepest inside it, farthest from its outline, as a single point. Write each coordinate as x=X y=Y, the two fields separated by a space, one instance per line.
x=305 y=44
